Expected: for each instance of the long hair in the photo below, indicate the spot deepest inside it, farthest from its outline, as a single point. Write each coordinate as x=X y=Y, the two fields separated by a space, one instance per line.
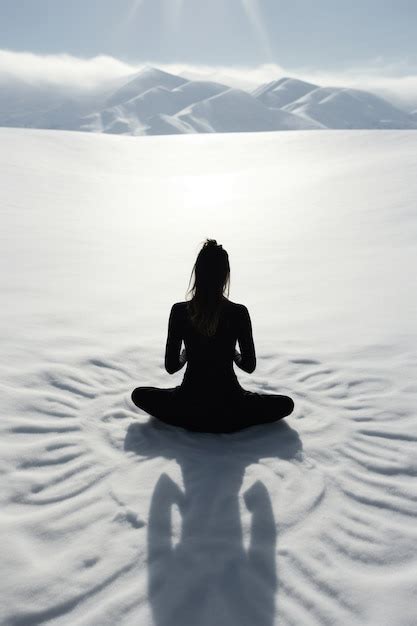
x=211 y=279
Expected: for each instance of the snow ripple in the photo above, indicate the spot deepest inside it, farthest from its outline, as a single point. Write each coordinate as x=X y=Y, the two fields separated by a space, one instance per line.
x=127 y=520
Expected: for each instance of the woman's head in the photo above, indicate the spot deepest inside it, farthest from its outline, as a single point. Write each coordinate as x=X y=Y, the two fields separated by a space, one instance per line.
x=211 y=272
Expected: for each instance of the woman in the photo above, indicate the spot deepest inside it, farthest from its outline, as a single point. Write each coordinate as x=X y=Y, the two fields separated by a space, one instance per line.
x=210 y=398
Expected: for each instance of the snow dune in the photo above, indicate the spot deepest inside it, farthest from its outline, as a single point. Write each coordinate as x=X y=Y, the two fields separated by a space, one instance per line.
x=110 y=518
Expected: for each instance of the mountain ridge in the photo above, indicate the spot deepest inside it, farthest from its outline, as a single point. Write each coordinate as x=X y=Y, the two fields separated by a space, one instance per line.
x=152 y=101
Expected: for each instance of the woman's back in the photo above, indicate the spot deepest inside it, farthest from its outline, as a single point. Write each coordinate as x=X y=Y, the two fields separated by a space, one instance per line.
x=210 y=358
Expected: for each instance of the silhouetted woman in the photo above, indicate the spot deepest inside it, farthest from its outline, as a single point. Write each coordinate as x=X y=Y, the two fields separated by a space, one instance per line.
x=210 y=398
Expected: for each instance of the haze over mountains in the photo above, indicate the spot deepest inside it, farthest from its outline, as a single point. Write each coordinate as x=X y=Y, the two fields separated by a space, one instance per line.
x=153 y=102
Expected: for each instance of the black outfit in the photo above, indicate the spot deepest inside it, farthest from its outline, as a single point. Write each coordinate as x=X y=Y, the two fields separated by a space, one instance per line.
x=210 y=398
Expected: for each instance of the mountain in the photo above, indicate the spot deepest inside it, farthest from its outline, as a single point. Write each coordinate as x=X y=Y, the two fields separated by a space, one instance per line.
x=237 y=111
x=336 y=107
x=144 y=113
x=152 y=102
x=141 y=82
x=281 y=92
x=37 y=106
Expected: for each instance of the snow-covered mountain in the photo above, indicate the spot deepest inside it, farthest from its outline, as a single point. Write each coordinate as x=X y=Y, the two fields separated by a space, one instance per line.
x=142 y=113
x=146 y=79
x=153 y=102
x=235 y=110
x=281 y=92
x=335 y=107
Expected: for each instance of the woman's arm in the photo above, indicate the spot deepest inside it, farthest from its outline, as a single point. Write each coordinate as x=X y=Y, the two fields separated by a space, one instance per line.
x=237 y=358
x=183 y=356
x=246 y=359
x=173 y=360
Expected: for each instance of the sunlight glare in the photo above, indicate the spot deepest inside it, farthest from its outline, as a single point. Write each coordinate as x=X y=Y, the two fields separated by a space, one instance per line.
x=254 y=15
x=173 y=12
x=127 y=18
x=133 y=9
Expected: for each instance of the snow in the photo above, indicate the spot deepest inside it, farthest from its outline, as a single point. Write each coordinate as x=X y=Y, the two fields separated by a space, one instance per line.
x=349 y=108
x=195 y=91
x=152 y=111
x=156 y=102
x=143 y=81
x=235 y=111
x=108 y=517
x=281 y=92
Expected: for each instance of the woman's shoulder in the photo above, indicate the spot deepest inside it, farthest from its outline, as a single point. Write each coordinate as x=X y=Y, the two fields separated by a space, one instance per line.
x=236 y=305
x=178 y=307
x=178 y=312
x=237 y=310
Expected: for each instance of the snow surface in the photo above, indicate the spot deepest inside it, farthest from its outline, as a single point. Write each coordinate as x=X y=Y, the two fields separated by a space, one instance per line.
x=153 y=102
x=108 y=517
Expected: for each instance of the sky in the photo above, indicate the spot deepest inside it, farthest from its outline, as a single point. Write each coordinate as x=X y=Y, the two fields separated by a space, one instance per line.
x=337 y=41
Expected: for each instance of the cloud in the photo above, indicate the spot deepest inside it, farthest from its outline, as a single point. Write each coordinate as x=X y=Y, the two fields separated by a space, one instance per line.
x=60 y=70
x=71 y=75
x=396 y=82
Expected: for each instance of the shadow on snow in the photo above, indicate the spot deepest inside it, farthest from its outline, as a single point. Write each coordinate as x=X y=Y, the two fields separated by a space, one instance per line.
x=210 y=577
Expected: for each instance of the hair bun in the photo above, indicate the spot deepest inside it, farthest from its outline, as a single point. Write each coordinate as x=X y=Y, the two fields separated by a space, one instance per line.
x=210 y=243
